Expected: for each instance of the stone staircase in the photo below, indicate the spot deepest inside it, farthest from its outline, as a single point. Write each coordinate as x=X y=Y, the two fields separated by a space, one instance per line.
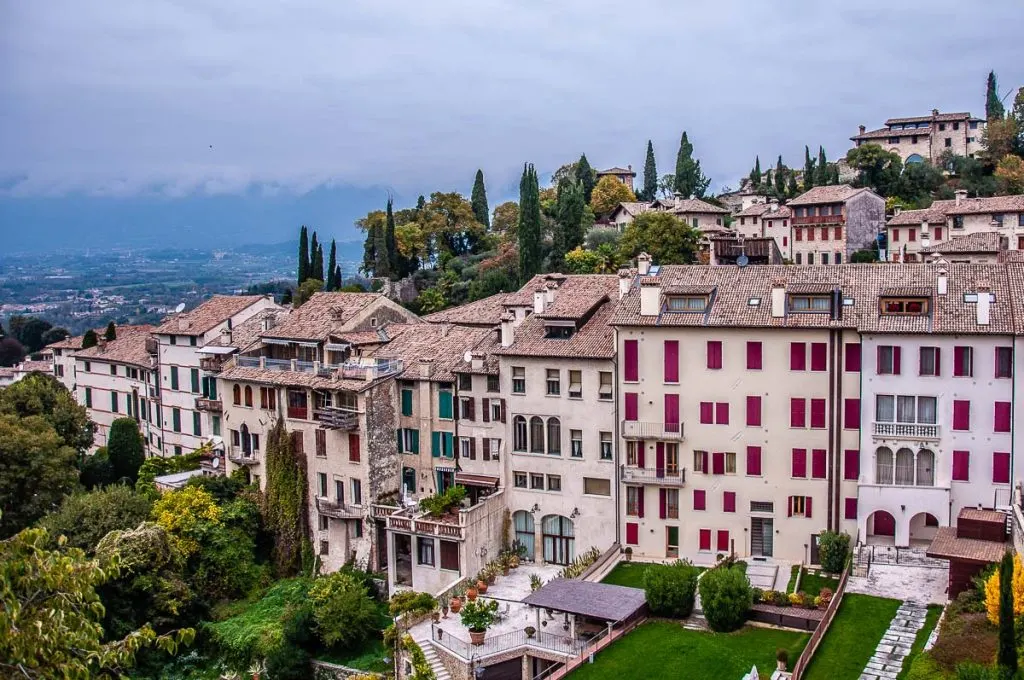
x=435 y=663
x=894 y=646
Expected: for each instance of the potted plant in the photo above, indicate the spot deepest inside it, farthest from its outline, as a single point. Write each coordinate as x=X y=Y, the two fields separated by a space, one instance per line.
x=628 y=552
x=481 y=582
x=491 y=573
x=535 y=582
x=782 y=658
x=513 y=561
x=435 y=616
x=478 y=616
x=472 y=592
x=506 y=564
x=530 y=631
x=456 y=602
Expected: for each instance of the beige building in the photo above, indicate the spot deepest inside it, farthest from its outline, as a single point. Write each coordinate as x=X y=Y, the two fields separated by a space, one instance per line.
x=707 y=218
x=925 y=138
x=766 y=220
x=830 y=223
x=983 y=247
x=624 y=175
x=626 y=212
x=909 y=232
x=948 y=219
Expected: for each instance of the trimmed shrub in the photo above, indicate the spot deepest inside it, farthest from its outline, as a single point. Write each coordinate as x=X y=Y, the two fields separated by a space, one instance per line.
x=725 y=598
x=671 y=589
x=833 y=548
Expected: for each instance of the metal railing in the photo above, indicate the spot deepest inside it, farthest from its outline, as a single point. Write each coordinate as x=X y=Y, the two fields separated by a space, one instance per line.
x=638 y=429
x=496 y=644
x=907 y=430
x=211 y=405
x=361 y=369
x=325 y=506
x=659 y=476
x=807 y=220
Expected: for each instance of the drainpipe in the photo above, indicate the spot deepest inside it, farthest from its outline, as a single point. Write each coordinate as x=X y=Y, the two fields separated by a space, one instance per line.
x=615 y=443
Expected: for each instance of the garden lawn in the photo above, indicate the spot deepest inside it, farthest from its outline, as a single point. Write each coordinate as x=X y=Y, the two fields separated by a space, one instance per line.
x=370 y=657
x=663 y=649
x=632 y=574
x=852 y=638
x=813 y=583
x=930 y=619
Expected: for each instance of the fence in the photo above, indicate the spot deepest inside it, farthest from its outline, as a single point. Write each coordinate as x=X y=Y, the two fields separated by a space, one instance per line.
x=819 y=632
x=496 y=644
x=592 y=647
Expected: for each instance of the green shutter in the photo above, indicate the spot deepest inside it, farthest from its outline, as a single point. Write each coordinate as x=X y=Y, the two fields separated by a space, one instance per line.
x=113 y=402
x=449 y=445
x=406 y=402
x=88 y=397
x=195 y=381
x=399 y=431
x=176 y=419
x=197 y=426
x=445 y=404
x=174 y=377
x=435 y=444
x=415 y=443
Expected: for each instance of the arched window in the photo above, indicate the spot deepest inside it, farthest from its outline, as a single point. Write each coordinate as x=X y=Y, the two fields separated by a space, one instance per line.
x=536 y=435
x=523 y=522
x=559 y=539
x=883 y=466
x=246 y=440
x=236 y=395
x=248 y=396
x=914 y=158
x=925 y=468
x=519 y=433
x=905 y=467
x=554 y=436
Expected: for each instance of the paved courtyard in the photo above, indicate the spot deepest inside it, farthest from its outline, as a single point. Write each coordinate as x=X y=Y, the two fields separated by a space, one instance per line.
x=924 y=585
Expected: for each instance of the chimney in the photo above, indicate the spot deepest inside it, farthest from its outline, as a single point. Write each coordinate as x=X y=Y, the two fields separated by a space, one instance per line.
x=630 y=168
x=942 y=282
x=477 y=361
x=101 y=345
x=225 y=336
x=446 y=328
x=540 y=299
x=624 y=282
x=862 y=128
x=896 y=210
x=267 y=323
x=549 y=293
x=960 y=194
x=643 y=264
x=507 y=329
x=183 y=324
x=984 y=302
x=426 y=368
x=935 y=112
x=650 y=296
x=779 y=298
x=773 y=206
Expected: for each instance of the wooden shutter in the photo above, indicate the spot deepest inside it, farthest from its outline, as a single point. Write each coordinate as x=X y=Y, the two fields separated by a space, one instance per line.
x=896 y=360
x=852 y=358
x=672 y=413
x=729 y=501
x=632 y=405
x=502 y=410
x=641 y=448
x=797 y=356
x=754 y=460
x=851 y=464
x=486 y=405
x=851 y=413
x=632 y=533
x=797 y=412
x=819 y=356
x=807 y=506
x=753 y=355
x=640 y=493
x=799 y=463
x=671 y=361
x=435 y=444
x=1002 y=416
x=698 y=499
x=722 y=413
x=631 y=367
x=1000 y=467
x=850 y=509
x=472 y=448
x=714 y=354
x=754 y=411
x=718 y=463
x=707 y=412
x=818 y=413
x=659 y=458
x=818 y=463
x=723 y=541
x=353 y=447
x=961 y=414
x=704 y=540
x=661 y=504
x=961 y=466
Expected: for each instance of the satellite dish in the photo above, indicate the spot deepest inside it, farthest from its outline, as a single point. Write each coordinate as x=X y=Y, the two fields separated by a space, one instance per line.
x=742 y=261
x=180 y=308
x=467 y=357
x=216 y=462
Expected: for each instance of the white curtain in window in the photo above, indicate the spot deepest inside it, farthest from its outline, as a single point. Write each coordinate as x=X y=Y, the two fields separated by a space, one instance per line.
x=925 y=468
x=905 y=409
x=883 y=466
x=926 y=410
x=905 y=467
x=884 y=408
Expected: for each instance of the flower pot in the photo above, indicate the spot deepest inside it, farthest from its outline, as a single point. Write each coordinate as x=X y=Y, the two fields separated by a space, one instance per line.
x=436 y=616
x=477 y=637
x=456 y=605
x=504 y=571
x=471 y=593
x=444 y=612
x=481 y=586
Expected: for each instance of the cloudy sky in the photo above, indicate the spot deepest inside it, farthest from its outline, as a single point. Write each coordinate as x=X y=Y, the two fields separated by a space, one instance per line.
x=179 y=101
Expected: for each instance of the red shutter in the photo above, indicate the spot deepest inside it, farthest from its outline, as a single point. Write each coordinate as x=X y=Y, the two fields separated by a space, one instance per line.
x=818 y=463
x=799 y=467
x=818 y=413
x=671 y=361
x=851 y=414
x=722 y=413
x=1002 y=418
x=729 y=501
x=641 y=448
x=961 y=414
x=961 y=466
x=661 y=504
x=797 y=412
x=705 y=540
x=896 y=360
x=938 y=234
x=938 y=361
x=631 y=369
x=753 y=355
x=632 y=533
x=353 y=447
x=707 y=413
x=714 y=354
x=807 y=506
x=672 y=413
x=850 y=509
x=851 y=464
x=797 y=356
x=819 y=356
x=958 y=361
x=718 y=463
x=878 y=361
x=1001 y=467
x=659 y=458
x=632 y=405
x=698 y=499
x=852 y=357
x=722 y=544
x=754 y=411
x=640 y=493
x=754 y=461
x=789 y=507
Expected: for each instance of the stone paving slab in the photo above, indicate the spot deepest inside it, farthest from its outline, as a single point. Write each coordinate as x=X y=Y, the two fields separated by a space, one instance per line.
x=895 y=645
x=920 y=584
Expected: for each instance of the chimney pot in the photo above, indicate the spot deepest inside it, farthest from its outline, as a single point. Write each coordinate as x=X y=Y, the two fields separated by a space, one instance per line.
x=896 y=210
x=643 y=264
x=864 y=129
x=935 y=112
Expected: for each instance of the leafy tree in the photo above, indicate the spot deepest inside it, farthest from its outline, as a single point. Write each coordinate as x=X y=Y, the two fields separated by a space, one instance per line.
x=821 y=176
x=343 y=612
x=332 y=269
x=671 y=589
x=55 y=334
x=11 y=351
x=158 y=465
x=390 y=240
x=725 y=598
x=111 y=332
x=971 y=175
x=284 y=508
x=303 y=255
x=864 y=256
x=755 y=174
x=878 y=169
x=314 y=272
x=1000 y=138
x=36 y=470
x=306 y=291
x=449 y=226
x=650 y=190
x=84 y=518
x=833 y=548
x=180 y=513
x=993 y=104
x=598 y=236
x=994 y=591
x=661 y=235
x=666 y=185
x=607 y=195
x=528 y=230
x=490 y=282
x=579 y=261
x=1018 y=117
x=570 y=212
x=1007 y=657
x=125 y=449
x=584 y=174
x=50 y=615
x=919 y=182
x=478 y=199
x=29 y=331
x=1010 y=173
x=374 y=222
x=90 y=339
x=225 y=565
x=689 y=180
x=96 y=470
x=506 y=218
x=223 y=488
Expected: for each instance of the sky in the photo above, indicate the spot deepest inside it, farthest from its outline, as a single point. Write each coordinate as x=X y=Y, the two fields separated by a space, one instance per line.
x=237 y=120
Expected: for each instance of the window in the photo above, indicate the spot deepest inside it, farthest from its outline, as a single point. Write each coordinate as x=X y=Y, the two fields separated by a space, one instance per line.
x=195 y=380
x=686 y=303
x=113 y=402
x=754 y=411
x=704 y=540
x=754 y=461
x=554 y=437
x=797 y=412
x=467 y=408
x=467 y=450
x=888 y=360
x=714 y=354
x=948 y=142
x=700 y=462
x=236 y=395
x=536 y=434
x=268 y=398
x=699 y=499
x=798 y=463
x=634 y=453
x=596 y=486
x=728 y=501
x=810 y=303
x=799 y=506
x=536 y=481
x=929 y=361
x=518 y=380
x=1004 y=362
x=465 y=382
x=753 y=355
x=325 y=524
x=445 y=402
x=797 y=356
x=818 y=413
x=554 y=483
x=819 y=356
x=963 y=361
x=197 y=427
x=248 y=397
x=113 y=369
x=174 y=377
x=554 y=382
x=903 y=306
x=357 y=492
x=493 y=383
x=818 y=463
x=576 y=443
x=961 y=414
x=851 y=413
x=354 y=449
x=810 y=256
x=450 y=555
x=519 y=480
x=606 y=446
x=88 y=367
x=495 y=449
x=575 y=384
x=671 y=361
x=1002 y=416
x=905 y=409
x=604 y=391
x=321 y=485
x=176 y=419
x=339 y=491
x=634 y=501
x=632 y=405
x=325 y=546
x=851 y=357
x=631 y=361
x=425 y=551
x=961 y=466
x=406 y=402
x=519 y=437
x=669 y=499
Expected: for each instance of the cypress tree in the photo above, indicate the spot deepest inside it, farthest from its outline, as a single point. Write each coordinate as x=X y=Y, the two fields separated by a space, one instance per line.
x=584 y=174
x=791 y=187
x=311 y=269
x=809 y=176
x=303 y=255
x=993 y=105
x=381 y=264
x=1007 y=657
x=389 y=240
x=834 y=174
x=285 y=502
x=528 y=229
x=569 y=210
x=337 y=277
x=90 y=339
x=111 y=332
x=125 y=449
x=650 y=190
x=768 y=180
x=755 y=174
x=478 y=200
x=684 y=169
x=780 y=178
x=332 y=263
x=821 y=173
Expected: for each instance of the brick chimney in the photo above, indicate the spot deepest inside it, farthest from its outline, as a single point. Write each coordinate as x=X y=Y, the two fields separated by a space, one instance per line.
x=862 y=128
x=779 y=298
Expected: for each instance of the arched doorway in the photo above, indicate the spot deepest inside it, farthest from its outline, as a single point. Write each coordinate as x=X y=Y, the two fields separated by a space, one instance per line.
x=881 y=528
x=923 y=526
x=524 y=528
x=559 y=539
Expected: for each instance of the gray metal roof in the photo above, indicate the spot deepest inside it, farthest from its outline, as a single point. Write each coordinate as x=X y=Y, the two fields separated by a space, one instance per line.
x=595 y=600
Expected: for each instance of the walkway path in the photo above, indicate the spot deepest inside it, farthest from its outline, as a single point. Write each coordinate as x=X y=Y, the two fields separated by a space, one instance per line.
x=896 y=643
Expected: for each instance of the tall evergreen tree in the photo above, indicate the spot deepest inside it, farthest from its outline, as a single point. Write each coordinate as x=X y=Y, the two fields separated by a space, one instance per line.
x=111 y=332
x=569 y=210
x=528 y=229
x=586 y=175
x=809 y=175
x=791 y=187
x=780 y=178
x=768 y=184
x=650 y=190
x=332 y=263
x=833 y=177
x=821 y=171
x=478 y=199
x=689 y=180
x=389 y=240
x=303 y=255
x=337 y=277
x=755 y=174
x=370 y=248
x=316 y=261
x=993 y=104
x=382 y=264
x=90 y=339
x=1007 y=657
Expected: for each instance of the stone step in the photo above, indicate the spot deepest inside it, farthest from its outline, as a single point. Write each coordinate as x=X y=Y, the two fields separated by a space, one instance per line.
x=887 y=661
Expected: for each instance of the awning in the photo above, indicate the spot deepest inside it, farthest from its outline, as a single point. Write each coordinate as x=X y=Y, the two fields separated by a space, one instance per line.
x=336 y=346
x=593 y=600
x=281 y=341
x=475 y=480
x=217 y=349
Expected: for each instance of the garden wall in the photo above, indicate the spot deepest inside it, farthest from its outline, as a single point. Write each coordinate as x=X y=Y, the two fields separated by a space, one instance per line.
x=787 y=617
x=822 y=628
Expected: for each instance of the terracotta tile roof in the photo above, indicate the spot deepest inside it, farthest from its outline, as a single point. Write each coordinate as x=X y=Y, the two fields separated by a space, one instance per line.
x=835 y=193
x=1010 y=256
x=863 y=284
x=632 y=207
x=616 y=171
x=30 y=366
x=567 y=283
x=365 y=337
x=6 y=372
x=485 y=312
x=764 y=210
x=72 y=343
x=246 y=335
x=993 y=204
x=942 y=118
x=593 y=340
x=948 y=546
x=444 y=344
x=688 y=205
x=128 y=348
x=978 y=242
x=981 y=515
x=883 y=133
x=214 y=311
x=913 y=218
x=322 y=315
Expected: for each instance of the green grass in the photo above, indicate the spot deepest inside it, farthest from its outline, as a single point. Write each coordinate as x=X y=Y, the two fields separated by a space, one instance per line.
x=810 y=583
x=930 y=620
x=793 y=571
x=663 y=649
x=852 y=638
x=632 y=574
x=369 y=658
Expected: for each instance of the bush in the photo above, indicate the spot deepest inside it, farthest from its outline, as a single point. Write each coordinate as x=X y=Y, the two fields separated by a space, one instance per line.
x=725 y=598
x=125 y=449
x=343 y=612
x=965 y=637
x=975 y=671
x=833 y=548
x=96 y=470
x=411 y=601
x=671 y=589
x=85 y=518
x=440 y=503
x=924 y=667
x=757 y=595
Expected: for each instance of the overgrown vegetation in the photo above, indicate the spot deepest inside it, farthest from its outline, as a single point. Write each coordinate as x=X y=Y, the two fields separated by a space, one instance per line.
x=440 y=504
x=285 y=503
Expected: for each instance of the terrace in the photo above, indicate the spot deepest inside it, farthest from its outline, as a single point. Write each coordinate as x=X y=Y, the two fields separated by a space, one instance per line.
x=357 y=369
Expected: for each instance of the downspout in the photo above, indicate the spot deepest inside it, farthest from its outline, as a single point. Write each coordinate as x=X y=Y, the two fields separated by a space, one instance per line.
x=618 y=433
x=836 y=428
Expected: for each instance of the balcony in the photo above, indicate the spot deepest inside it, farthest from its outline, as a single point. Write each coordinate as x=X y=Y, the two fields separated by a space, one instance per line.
x=655 y=476
x=239 y=457
x=209 y=405
x=335 y=418
x=458 y=526
x=212 y=364
x=638 y=429
x=357 y=369
x=915 y=431
x=298 y=412
x=379 y=511
x=812 y=220
x=329 y=508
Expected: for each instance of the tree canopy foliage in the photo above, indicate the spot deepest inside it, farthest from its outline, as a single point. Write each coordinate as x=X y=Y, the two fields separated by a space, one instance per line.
x=607 y=195
x=85 y=518
x=661 y=235
x=43 y=395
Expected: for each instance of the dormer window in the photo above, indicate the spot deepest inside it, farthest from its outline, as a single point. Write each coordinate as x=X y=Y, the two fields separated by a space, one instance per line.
x=687 y=303
x=892 y=306
x=810 y=303
x=559 y=331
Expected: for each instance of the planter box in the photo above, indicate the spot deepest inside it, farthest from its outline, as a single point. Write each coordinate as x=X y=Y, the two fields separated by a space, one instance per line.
x=788 y=617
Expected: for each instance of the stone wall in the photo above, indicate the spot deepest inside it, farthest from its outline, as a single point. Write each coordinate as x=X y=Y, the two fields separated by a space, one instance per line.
x=382 y=454
x=323 y=670
x=865 y=219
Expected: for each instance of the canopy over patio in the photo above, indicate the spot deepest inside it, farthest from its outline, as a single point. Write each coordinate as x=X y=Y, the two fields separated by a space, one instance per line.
x=599 y=601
